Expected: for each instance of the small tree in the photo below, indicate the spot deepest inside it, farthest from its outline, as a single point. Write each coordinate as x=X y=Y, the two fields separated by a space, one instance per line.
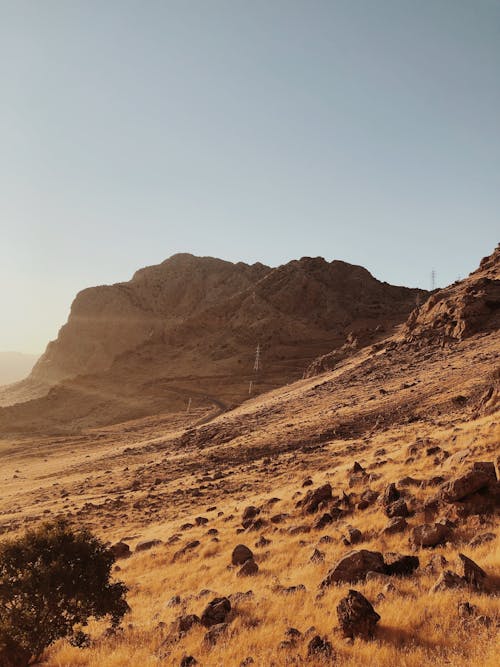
x=52 y=579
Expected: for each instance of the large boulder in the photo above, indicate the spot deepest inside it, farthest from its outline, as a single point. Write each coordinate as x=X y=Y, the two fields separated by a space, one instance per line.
x=465 y=485
x=357 y=617
x=248 y=569
x=354 y=566
x=216 y=612
x=390 y=495
x=241 y=554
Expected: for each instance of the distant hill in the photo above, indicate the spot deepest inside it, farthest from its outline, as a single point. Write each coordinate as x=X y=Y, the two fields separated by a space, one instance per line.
x=189 y=328
x=15 y=366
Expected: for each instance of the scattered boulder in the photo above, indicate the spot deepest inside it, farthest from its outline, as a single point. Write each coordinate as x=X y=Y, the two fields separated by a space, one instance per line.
x=200 y=520
x=397 y=508
x=357 y=617
x=216 y=612
x=319 y=647
x=147 y=545
x=214 y=633
x=188 y=661
x=120 y=550
x=248 y=569
x=447 y=580
x=317 y=556
x=483 y=538
x=313 y=499
x=185 y=623
x=465 y=485
x=241 y=554
x=262 y=542
x=400 y=565
x=430 y=535
x=367 y=498
x=354 y=535
x=390 y=495
x=354 y=566
x=471 y=572
x=396 y=525
x=322 y=521
x=250 y=512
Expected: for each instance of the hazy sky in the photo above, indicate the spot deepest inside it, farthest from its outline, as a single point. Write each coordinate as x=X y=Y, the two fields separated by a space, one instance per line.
x=267 y=130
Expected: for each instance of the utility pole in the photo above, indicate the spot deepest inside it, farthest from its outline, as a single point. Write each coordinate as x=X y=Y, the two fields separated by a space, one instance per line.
x=250 y=387
x=188 y=406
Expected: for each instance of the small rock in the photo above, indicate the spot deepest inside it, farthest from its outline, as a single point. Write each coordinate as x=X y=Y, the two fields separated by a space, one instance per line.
x=250 y=512
x=317 y=556
x=146 y=545
x=216 y=631
x=188 y=661
x=262 y=542
x=397 y=509
x=216 y=612
x=396 y=525
x=185 y=623
x=472 y=573
x=483 y=538
x=313 y=499
x=390 y=495
x=120 y=550
x=429 y=535
x=397 y=564
x=248 y=569
x=357 y=617
x=447 y=580
x=319 y=646
x=241 y=554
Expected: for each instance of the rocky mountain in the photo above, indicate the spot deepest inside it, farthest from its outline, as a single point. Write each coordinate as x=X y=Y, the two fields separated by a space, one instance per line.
x=189 y=328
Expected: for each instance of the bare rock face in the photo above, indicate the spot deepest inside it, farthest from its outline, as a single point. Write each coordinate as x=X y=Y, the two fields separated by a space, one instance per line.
x=357 y=617
x=354 y=566
x=216 y=612
x=459 y=311
x=241 y=554
x=134 y=342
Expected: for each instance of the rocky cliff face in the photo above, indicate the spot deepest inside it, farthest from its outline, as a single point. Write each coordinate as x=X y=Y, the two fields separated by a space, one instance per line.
x=189 y=327
x=461 y=310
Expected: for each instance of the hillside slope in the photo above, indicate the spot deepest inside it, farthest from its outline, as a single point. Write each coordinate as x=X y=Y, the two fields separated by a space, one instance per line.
x=379 y=476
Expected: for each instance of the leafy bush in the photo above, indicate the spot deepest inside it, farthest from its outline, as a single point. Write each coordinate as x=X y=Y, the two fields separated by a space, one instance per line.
x=52 y=579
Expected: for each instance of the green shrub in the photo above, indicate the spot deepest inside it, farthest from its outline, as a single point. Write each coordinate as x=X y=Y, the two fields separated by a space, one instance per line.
x=52 y=579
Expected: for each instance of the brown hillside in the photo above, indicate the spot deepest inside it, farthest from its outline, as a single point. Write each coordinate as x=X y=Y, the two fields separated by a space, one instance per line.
x=379 y=476
x=188 y=328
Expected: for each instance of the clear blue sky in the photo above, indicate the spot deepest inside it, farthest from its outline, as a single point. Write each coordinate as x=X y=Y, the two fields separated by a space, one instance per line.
x=267 y=130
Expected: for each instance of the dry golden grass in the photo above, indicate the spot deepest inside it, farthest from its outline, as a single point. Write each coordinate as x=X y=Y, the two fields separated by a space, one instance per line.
x=136 y=481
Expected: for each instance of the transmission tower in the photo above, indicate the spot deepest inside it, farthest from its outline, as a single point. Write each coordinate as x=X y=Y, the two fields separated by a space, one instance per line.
x=433 y=279
x=188 y=406
x=256 y=365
